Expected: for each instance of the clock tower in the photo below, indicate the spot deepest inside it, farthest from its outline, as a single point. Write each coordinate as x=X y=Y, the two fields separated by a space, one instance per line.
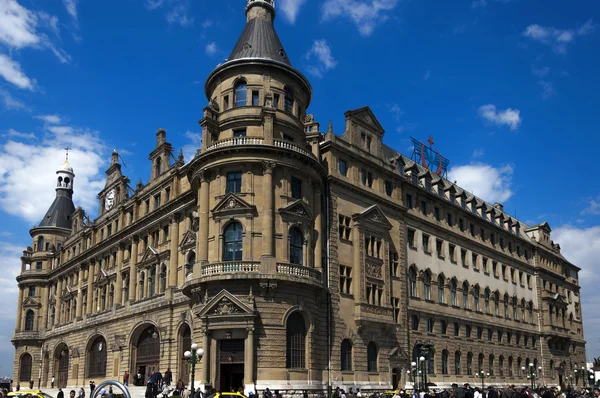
x=115 y=190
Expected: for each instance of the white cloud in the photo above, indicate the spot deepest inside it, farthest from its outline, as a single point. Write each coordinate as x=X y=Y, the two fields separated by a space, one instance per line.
x=290 y=9
x=477 y=153
x=51 y=119
x=558 y=39
x=11 y=71
x=321 y=51
x=27 y=175
x=195 y=143
x=211 y=48
x=508 y=117
x=492 y=184
x=581 y=246
x=593 y=207
x=366 y=14
x=71 y=6
x=11 y=267
x=12 y=103
x=17 y=25
x=14 y=133
x=396 y=111
x=548 y=90
x=177 y=12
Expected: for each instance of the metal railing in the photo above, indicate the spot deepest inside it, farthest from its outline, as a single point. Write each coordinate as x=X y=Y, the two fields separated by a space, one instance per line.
x=106 y=383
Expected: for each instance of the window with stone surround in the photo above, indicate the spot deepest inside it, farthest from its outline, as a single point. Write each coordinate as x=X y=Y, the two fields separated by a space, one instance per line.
x=374 y=293
x=396 y=303
x=427 y=286
x=457 y=363
x=456 y=329
x=388 y=188
x=484 y=264
x=463 y=257
x=409 y=201
x=296 y=341
x=346 y=355
x=394 y=264
x=372 y=356
x=412 y=282
x=411 y=238
x=453 y=292
x=470 y=363
x=444 y=362
x=345 y=279
x=430 y=324
x=373 y=246
x=441 y=293
x=343 y=167
x=414 y=322
x=425 y=241
x=451 y=251
x=439 y=248
x=344 y=227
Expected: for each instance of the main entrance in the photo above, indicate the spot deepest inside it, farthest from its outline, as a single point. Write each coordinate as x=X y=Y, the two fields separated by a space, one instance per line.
x=231 y=359
x=61 y=361
x=147 y=356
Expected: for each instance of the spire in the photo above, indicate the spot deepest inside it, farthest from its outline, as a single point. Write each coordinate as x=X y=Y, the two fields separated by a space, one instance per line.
x=259 y=39
x=59 y=213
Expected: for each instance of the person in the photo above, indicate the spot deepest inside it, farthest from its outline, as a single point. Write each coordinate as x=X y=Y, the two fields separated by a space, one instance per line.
x=31 y=385
x=359 y=393
x=267 y=393
x=60 y=394
x=72 y=394
x=92 y=386
x=168 y=376
x=149 y=391
x=477 y=393
x=52 y=382
x=81 y=393
x=343 y=394
x=126 y=379
x=492 y=392
x=18 y=387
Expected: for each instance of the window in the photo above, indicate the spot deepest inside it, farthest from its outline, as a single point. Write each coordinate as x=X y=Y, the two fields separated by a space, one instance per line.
x=495 y=268
x=480 y=362
x=344 y=227
x=239 y=133
x=276 y=101
x=346 y=355
x=234 y=182
x=490 y=335
x=449 y=220
x=366 y=178
x=97 y=358
x=414 y=322
x=40 y=244
x=296 y=246
x=506 y=306
x=372 y=357
x=482 y=234
x=479 y=332
x=514 y=308
x=374 y=294
x=451 y=250
x=491 y=365
x=444 y=362
x=469 y=363
x=288 y=138
x=476 y=298
x=465 y=288
x=439 y=248
x=29 y=318
x=296 y=188
x=226 y=102
x=241 y=94
x=412 y=282
x=457 y=362
x=394 y=264
x=499 y=333
x=427 y=286
x=440 y=283
x=232 y=242
x=453 y=292
x=31 y=291
x=423 y=208
x=295 y=336
x=425 y=239
x=38 y=265
x=463 y=257
x=456 y=329
x=496 y=303
x=486 y=297
x=254 y=98
x=411 y=238
x=530 y=309
x=147 y=203
x=444 y=327
x=436 y=213
x=388 y=188
x=288 y=104
x=472 y=229
x=430 y=324
x=468 y=330
x=484 y=264
x=343 y=167
x=461 y=225
x=25 y=368
x=345 y=279
x=409 y=201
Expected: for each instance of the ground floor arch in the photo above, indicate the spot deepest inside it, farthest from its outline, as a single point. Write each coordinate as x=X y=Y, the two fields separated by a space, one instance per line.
x=184 y=344
x=145 y=352
x=61 y=365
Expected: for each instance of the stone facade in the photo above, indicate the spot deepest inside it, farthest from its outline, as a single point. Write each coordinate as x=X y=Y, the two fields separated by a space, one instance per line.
x=296 y=259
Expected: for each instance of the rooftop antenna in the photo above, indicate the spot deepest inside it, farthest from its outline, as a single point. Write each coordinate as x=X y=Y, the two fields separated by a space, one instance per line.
x=67 y=149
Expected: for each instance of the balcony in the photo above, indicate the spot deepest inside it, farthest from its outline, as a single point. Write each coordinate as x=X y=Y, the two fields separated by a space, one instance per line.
x=26 y=335
x=230 y=268
x=254 y=141
x=299 y=271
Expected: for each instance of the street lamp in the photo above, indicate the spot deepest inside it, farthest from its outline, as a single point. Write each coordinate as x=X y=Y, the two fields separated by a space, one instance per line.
x=531 y=374
x=424 y=375
x=194 y=357
x=592 y=379
x=483 y=375
x=413 y=368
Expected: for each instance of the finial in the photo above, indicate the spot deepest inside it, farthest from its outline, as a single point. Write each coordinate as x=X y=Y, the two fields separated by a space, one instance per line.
x=67 y=149
x=330 y=127
x=140 y=185
x=180 y=158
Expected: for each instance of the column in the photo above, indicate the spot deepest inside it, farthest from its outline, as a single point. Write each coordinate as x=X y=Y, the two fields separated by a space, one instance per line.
x=20 y=309
x=356 y=281
x=203 y=203
x=267 y=231
x=318 y=226
x=206 y=359
x=79 y=307
x=44 y=296
x=174 y=255
x=249 y=363
x=90 y=291
x=59 y=289
x=119 y=285
x=132 y=269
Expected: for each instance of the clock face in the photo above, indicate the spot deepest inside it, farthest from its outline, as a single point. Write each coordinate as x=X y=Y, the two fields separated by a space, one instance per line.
x=109 y=202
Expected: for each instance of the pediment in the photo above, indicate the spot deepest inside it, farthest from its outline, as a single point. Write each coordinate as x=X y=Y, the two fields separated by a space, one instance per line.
x=225 y=304
x=232 y=204
x=188 y=240
x=30 y=302
x=298 y=208
x=366 y=116
x=149 y=253
x=374 y=215
x=102 y=275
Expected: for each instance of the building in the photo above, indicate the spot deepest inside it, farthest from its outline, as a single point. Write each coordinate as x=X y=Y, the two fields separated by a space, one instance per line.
x=297 y=259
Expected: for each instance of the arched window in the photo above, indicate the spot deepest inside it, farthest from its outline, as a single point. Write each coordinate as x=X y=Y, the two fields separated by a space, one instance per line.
x=551 y=369
x=571 y=320
x=29 y=318
x=514 y=308
x=288 y=104
x=232 y=242
x=519 y=370
x=506 y=306
x=412 y=282
x=531 y=312
x=346 y=355
x=25 y=368
x=491 y=365
x=476 y=297
x=296 y=337
x=501 y=366
x=431 y=362
x=496 y=303
x=480 y=363
x=470 y=363
x=97 y=358
x=296 y=246
x=453 y=292
x=457 y=363
x=465 y=289
x=241 y=94
x=427 y=286
x=152 y=281
x=523 y=311
x=191 y=260
x=40 y=243
x=163 y=278
x=440 y=283
x=372 y=355
x=158 y=167
x=444 y=362
x=510 y=366
x=486 y=298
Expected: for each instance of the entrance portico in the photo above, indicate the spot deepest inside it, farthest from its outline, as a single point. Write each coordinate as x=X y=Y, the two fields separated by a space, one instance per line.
x=228 y=341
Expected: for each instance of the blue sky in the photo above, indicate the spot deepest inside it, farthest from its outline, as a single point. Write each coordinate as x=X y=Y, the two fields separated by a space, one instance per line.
x=508 y=89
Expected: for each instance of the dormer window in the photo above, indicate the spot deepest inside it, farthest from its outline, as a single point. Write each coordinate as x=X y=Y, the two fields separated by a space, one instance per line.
x=241 y=94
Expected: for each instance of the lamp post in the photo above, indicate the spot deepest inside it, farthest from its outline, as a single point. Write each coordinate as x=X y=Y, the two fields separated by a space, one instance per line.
x=592 y=383
x=424 y=375
x=194 y=357
x=576 y=377
x=413 y=370
x=483 y=375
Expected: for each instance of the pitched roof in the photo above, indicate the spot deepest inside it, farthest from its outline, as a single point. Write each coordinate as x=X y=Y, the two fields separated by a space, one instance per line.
x=59 y=213
x=259 y=40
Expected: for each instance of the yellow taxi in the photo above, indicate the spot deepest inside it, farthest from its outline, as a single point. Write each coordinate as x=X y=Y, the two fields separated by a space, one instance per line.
x=227 y=395
x=29 y=393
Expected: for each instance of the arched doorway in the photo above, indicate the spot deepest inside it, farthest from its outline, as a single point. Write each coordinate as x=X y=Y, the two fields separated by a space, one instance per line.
x=185 y=342
x=145 y=352
x=25 y=368
x=61 y=364
x=96 y=358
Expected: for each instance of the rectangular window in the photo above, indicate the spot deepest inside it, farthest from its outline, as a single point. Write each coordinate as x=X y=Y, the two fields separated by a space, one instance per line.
x=409 y=201
x=423 y=208
x=344 y=227
x=226 y=102
x=468 y=331
x=499 y=336
x=456 y=329
x=296 y=188
x=394 y=264
x=504 y=276
x=31 y=291
x=463 y=257
x=108 y=230
x=239 y=133
x=439 y=247
x=343 y=167
x=451 y=250
x=492 y=238
x=449 y=220
x=495 y=268
x=436 y=213
x=461 y=224
x=168 y=193
x=38 y=265
x=429 y=325
x=529 y=281
x=147 y=203
x=345 y=279
x=490 y=334
x=472 y=229
x=156 y=201
x=411 y=238
x=414 y=323
x=479 y=332
x=482 y=234
x=444 y=327
x=474 y=260
x=165 y=233
x=276 y=101
x=425 y=243
x=484 y=263
x=363 y=176
x=254 y=98
x=288 y=138
x=369 y=180
x=388 y=188
x=234 y=182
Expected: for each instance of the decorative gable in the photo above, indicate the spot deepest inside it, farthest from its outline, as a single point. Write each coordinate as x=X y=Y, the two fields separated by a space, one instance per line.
x=225 y=304
x=366 y=117
x=232 y=205
x=188 y=241
x=149 y=254
x=31 y=303
x=101 y=276
x=297 y=209
x=373 y=215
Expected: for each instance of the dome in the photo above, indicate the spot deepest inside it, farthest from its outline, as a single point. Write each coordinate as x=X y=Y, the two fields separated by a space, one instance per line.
x=65 y=167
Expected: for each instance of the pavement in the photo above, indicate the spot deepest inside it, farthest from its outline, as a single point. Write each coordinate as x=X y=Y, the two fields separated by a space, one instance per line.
x=136 y=392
